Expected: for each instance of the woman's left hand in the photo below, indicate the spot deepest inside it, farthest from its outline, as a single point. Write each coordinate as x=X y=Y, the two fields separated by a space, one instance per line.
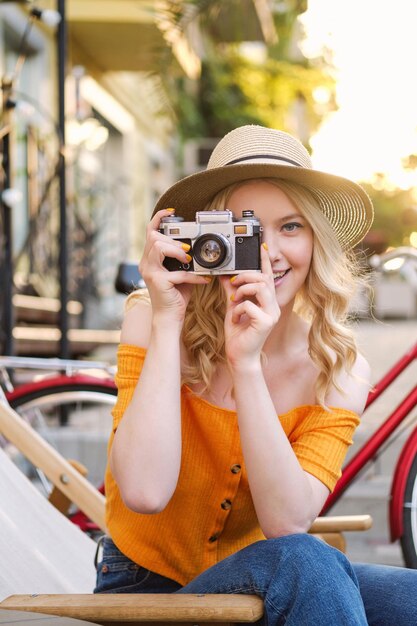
x=252 y=312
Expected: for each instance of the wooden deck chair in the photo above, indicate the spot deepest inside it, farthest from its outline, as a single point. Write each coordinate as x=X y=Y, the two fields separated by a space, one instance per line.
x=48 y=563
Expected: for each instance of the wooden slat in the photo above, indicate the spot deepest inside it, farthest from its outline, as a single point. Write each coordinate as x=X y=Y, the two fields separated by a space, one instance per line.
x=45 y=340
x=55 y=467
x=158 y=622
x=43 y=310
x=341 y=523
x=105 y=608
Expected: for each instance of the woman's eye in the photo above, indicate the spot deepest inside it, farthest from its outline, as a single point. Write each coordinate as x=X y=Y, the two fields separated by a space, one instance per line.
x=291 y=227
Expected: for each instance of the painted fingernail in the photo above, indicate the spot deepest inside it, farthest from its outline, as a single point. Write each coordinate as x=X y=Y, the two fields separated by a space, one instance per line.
x=264 y=246
x=189 y=258
x=208 y=278
x=233 y=278
x=232 y=297
x=170 y=210
x=185 y=247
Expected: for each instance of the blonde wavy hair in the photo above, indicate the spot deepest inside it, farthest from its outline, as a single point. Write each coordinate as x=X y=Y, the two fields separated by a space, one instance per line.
x=323 y=301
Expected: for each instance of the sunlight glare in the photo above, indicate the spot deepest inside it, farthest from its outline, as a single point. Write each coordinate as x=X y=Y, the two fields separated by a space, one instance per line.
x=374 y=51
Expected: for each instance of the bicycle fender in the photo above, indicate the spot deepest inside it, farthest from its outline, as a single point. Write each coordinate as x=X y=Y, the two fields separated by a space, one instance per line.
x=398 y=484
x=52 y=382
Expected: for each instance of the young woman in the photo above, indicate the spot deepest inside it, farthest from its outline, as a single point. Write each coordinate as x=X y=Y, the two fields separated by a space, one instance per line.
x=238 y=398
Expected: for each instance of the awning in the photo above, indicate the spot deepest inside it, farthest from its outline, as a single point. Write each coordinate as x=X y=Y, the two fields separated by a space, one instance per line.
x=136 y=35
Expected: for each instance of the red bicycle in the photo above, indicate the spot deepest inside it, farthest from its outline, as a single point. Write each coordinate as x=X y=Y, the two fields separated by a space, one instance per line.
x=403 y=500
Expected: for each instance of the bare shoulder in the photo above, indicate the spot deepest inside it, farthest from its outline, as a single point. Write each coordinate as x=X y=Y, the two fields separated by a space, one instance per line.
x=355 y=385
x=137 y=323
x=362 y=368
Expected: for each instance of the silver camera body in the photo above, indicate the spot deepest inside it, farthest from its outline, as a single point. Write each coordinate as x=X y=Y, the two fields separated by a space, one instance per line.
x=219 y=243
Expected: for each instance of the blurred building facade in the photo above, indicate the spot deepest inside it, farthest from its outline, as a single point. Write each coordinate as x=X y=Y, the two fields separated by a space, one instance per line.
x=121 y=140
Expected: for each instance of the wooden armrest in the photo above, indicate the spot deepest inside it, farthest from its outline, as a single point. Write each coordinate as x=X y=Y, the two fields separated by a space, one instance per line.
x=341 y=523
x=147 y=607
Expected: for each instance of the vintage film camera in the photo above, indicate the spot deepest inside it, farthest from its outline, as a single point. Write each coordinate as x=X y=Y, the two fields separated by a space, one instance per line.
x=220 y=244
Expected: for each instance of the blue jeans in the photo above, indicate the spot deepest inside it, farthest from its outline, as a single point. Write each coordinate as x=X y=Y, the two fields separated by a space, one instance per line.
x=302 y=581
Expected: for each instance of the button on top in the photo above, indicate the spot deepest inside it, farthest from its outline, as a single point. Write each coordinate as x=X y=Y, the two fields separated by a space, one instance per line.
x=235 y=469
x=226 y=505
x=214 y=538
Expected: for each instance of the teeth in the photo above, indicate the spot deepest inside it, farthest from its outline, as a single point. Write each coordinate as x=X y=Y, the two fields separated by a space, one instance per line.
x=279 y=274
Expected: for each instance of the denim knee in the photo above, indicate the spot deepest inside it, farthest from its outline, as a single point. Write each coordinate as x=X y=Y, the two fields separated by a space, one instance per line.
x=298 y=576
x=302 y=547
x=302 y=557
x=320 y=579
x=304 y=550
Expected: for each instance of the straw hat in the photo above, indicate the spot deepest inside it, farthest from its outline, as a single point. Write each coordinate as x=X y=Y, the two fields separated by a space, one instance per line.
x=257 y=152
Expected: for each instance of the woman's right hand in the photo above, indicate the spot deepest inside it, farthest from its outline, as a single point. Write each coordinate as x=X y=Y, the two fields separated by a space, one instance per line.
x=169 y=291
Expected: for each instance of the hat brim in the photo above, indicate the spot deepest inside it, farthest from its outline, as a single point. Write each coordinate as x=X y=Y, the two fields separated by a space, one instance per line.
x=344 y=203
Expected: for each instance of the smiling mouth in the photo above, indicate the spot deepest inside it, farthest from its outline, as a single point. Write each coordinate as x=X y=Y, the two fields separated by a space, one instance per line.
x=279 y=275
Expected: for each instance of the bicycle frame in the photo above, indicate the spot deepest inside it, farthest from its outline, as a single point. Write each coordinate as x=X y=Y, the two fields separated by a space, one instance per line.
x=375 y=442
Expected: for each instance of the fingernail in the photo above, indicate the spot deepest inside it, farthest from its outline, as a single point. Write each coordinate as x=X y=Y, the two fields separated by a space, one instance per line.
x=233 y=278
x=232 y=297
x=208 y=278
x=185 y=247
x=170 y=210
x=265 y=246
x=189 y=258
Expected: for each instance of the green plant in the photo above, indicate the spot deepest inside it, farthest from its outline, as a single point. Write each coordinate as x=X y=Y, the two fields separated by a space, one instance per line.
x=395 y=217
x=234 y=90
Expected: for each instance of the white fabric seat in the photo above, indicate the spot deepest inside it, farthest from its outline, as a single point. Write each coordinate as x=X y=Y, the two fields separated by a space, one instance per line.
x=41 y=551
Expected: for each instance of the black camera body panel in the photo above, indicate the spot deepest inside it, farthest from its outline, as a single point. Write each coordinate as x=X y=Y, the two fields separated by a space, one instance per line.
x=173 y=265
x=249 y=250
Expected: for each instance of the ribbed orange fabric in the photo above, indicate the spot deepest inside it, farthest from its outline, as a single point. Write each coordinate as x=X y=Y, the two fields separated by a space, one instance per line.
x=211 y=514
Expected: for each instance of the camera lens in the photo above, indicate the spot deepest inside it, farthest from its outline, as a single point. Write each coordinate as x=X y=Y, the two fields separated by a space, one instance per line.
x=210 y=250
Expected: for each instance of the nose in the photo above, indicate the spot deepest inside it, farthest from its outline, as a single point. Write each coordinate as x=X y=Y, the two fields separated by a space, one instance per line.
x=272 y=243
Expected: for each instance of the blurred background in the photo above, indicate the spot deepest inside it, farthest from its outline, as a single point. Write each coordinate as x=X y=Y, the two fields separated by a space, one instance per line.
x=106 y=103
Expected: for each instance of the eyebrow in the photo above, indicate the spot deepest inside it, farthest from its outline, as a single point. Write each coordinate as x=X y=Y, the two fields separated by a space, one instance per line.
x=290 y=217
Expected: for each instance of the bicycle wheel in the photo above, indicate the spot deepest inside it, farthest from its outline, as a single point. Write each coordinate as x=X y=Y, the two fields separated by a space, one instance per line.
x=87 y=402
x=409 y=537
